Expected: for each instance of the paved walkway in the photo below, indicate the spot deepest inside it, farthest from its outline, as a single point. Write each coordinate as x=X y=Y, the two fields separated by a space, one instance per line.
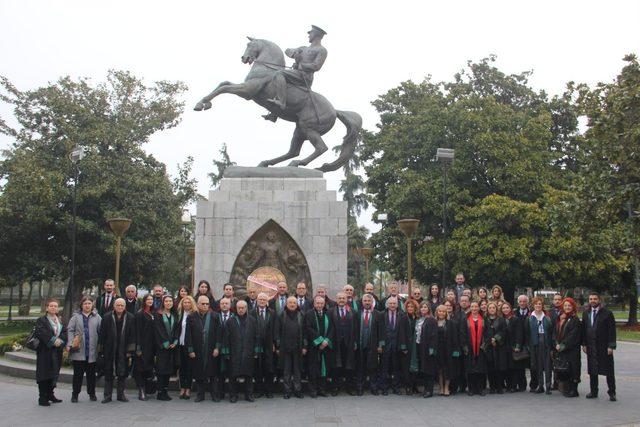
x=18 y=406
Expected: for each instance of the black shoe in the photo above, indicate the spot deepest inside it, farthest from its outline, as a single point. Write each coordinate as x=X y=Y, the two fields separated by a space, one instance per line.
x=427 y=394
x=313 y=394
x=163 y=396
x=215 y=398
x=384 y=392
x=322 y=394
x=548 y=391
x=74 y=398
x=286 y=396
x=199 y=398
x=122 y=398
x=571 y=393
x=592 y=395
x=106 y=400
x=299 y=394
x=43 y=402
x=539 y=390
x=374 y=392
x=233 y=398
x=258 y=395
x=93 y=397
x=492 y=391
x=482 y=393
x=334 y=393
x=469 y=393
x=268 y=395
x=397 y=392
x=500 y=391
x=359 y=393
x=249 y=398
x=54 y=399
x=612 y=397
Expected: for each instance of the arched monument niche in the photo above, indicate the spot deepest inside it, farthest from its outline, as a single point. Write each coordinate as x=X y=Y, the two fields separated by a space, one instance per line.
x=271 y=246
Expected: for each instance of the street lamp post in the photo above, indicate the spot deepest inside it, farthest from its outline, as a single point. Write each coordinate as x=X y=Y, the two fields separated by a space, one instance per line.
x=446 y=156
x=76 y=155
x=408 y=228
x=118 y=226
x=10 y=317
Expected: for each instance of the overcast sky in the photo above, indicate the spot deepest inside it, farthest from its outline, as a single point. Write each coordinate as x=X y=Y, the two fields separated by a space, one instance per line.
x=373 y=46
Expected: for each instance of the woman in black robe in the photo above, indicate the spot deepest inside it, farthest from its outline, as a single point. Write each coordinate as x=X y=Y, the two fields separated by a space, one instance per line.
x=426 y=337
x=410 y=362
x=498 y=351
x=186 y=307
x=166 y=333
x=145 y=348
x=434 y=298
x=52 y=335
x=474 y=342
x=512 y=337
x=567 y=349
x=447 y=350
x=204 y=288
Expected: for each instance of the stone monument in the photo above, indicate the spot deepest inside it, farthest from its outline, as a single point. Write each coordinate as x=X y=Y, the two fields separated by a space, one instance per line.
x=264 y=224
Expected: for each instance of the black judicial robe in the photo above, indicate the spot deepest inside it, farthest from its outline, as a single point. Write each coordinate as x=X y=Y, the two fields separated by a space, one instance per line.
x=316 y=332
x=598 y=339
x=497 y=357
x=201 y=338
x=345 y=329
x=290 y=334
x=265 y=338
x=166 y=332
x=145 y=340
x=569 y=338
x=49 y=357
x=238 y=348
x=116 y=354
x=449 y=350
x=428 y=347
x=474 y=363
x=375 y=340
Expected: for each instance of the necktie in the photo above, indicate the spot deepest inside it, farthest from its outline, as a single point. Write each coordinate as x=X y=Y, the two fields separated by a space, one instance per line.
x=366 y=318
x=300 y=302
x=262 y=313
x=224 y=318
x=342 y=312
x=393 y=319
x=281 y=303
x=593 y=316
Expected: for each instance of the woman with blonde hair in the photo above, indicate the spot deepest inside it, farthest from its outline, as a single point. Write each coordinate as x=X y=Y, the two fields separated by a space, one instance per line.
x=186 y=306
x=497 y=294
x=411 y=364
x=498 y=352
x=447 y=350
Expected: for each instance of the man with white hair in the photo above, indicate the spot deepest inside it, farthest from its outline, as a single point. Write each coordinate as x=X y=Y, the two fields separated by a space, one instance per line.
x=265 y=319
x=106 y=299
x=394 y=290
x=352 y=301
x=395 y=342
x=131 y=299
x=369 y=345
x=344 y=319
x=238 y=351
x=522 y=312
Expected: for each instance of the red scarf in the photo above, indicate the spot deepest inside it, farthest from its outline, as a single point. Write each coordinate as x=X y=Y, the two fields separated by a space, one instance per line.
x=476 y=338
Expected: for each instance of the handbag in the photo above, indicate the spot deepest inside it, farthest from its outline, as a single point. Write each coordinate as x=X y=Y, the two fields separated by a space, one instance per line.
x=560 y=365
x=521 y=355
x=76 y=342
x=33 y=342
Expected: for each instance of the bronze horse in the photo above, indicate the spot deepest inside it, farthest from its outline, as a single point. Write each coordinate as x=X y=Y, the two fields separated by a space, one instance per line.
x=312 y=113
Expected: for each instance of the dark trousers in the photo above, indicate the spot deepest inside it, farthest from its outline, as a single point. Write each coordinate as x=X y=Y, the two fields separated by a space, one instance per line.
x=533 y=379
x=520 y=379
x=234 y=384
x=108 y=385
x=343 y=377
x=143 y=378
x=163 y=384
x=291 y=371
x=45 y=390
x=391 y=371
x=203 y=384
x=363 y=361
x=543 y=366
x=510 y=379
x=428 y=381
x=611 y=383
x=263 y=375
x=496 y=379
x=80 y=368
x=459 y=383
x=476 y=382
x=185 y=373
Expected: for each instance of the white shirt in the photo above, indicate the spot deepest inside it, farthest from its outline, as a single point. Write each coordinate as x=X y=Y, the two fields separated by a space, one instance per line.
x=183 y=331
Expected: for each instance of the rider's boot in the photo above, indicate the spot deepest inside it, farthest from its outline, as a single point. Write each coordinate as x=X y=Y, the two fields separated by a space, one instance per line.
x=271 y=116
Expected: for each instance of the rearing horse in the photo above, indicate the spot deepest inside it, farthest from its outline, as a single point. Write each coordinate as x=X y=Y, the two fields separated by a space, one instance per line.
x=312 y=113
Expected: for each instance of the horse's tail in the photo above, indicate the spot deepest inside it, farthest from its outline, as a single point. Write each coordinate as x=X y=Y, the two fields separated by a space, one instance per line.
x=353 y=123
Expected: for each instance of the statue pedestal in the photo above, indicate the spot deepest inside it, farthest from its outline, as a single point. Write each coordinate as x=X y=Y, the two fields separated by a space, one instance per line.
x=293 y=224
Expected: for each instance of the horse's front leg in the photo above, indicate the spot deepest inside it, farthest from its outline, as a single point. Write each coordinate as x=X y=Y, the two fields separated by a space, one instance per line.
x=245 y=90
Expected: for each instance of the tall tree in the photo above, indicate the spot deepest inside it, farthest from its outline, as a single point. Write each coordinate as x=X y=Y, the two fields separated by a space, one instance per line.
x=220 y=165
x=111 y=121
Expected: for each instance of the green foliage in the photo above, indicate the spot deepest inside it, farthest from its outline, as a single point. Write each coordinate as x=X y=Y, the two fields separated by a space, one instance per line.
x=111 y=121
x=9 y=342
x=220 y=166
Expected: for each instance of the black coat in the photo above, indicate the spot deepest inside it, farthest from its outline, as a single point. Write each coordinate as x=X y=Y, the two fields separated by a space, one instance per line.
x=498 y=356
x=383 y=304
x=166 y=334
x=290 y=334
x=345 y=331
x=100 y=304
x=375 y=341
x=314 y=336
x=274 y=304
x=569 y=338
x=239 y=340
x=132 y=306
x=448 y=350
x=251 y=304
x=598 y=339
x=117 y=355
x=428 y=347
x=202 y=344
x=474 y=364
x=48 y=356
x=266 y=339
x=512 y=339
x=306 y=305
x=402 y=332
x=145 y=341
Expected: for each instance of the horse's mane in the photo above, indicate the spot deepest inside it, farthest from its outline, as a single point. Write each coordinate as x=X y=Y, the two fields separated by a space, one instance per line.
x=274 y=50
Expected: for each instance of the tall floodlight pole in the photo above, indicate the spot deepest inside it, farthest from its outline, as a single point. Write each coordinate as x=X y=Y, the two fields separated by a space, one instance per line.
x=118 y=226
x=446 y=156
x=408 y=228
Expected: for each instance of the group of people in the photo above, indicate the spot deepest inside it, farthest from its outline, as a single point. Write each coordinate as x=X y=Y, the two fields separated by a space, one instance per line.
x=463 y=342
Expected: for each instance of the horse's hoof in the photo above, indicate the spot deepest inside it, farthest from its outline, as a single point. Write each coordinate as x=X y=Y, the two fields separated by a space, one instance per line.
x=263 y=164
x=207 y=105
x=295 y=163
x=198 y=107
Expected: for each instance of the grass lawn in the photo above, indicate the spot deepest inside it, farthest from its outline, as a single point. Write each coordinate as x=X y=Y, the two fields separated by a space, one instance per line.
x=15 y=327
x=628 y=333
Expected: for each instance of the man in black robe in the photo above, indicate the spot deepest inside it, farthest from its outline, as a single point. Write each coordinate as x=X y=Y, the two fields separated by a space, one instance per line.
x=265 y=318
x=116 y=344
x=252 y=297
x=201 y=340
x=291 y=346
x=106 y=299
x=352 y=301
x=224 y=373
x=344 y=320
x=394 y=344
x=158 y=294
x=279 y=301
x=599 y=342
x=319 y=331
x=131 y=299
x=239 y=351
x=321 y=291
x=394 y=290
x=369 y=289
x=522 y=314
x=369 y=345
